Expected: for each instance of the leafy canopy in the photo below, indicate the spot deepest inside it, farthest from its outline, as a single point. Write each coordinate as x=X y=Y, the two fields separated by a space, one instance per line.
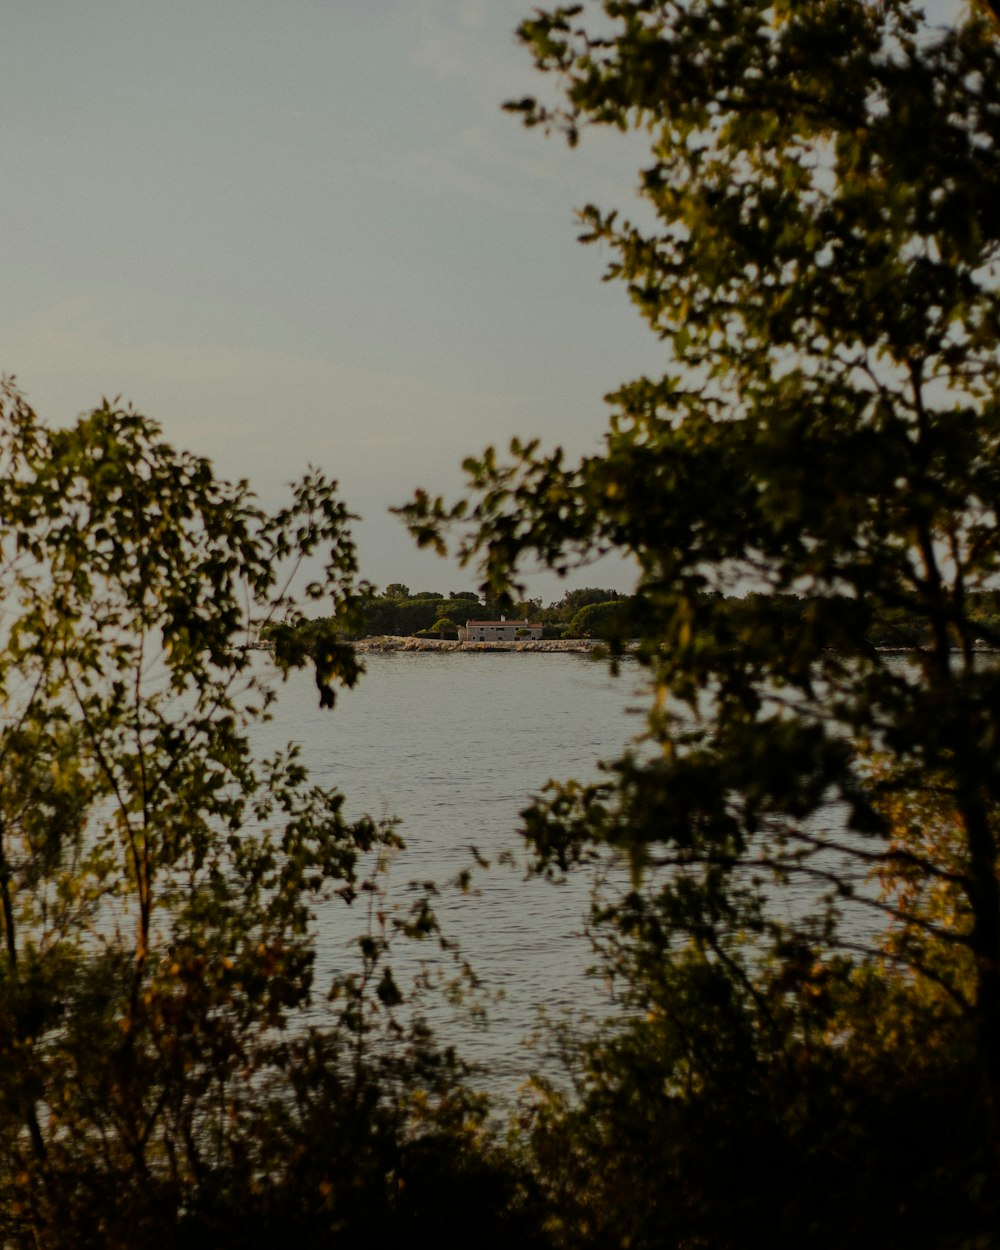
x=821 y=269
x=166 y=1074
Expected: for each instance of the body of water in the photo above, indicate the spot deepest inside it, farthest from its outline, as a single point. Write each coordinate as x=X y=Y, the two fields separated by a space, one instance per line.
x=454 y=746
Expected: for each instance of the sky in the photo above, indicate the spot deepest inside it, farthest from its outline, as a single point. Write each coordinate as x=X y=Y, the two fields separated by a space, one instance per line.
x=304 y=232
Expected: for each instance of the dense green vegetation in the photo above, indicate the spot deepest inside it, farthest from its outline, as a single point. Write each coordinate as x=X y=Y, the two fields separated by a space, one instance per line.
x=817 y=253
x=160 y=1084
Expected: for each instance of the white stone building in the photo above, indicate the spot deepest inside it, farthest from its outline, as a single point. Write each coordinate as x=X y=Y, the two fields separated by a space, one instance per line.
x=498 y=631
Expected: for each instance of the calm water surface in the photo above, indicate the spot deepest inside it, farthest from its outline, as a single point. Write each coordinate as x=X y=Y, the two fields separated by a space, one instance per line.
x=454 y=746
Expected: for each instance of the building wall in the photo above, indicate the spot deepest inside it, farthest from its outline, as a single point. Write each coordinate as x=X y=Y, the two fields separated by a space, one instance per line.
x=498 y=631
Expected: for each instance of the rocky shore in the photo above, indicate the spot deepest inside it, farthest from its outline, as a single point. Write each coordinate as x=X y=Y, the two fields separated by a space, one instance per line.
x=387 y=642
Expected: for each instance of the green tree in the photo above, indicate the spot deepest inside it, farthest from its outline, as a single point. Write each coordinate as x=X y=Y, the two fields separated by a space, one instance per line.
x=159 y=1082
x=595 y=620
x=818 y=257
x=566 y=608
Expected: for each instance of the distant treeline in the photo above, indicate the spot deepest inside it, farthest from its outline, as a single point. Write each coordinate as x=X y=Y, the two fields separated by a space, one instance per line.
x=595 y=612
x=428 y=613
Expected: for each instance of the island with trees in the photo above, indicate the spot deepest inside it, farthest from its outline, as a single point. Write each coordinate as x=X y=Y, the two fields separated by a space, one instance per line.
x=397 y=613
x=604 y=616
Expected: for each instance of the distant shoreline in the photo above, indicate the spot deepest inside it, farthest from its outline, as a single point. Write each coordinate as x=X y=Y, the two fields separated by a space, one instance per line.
x=391 y=642
x=385 y=643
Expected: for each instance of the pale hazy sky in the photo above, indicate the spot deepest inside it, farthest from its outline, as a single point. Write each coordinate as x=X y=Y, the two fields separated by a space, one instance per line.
x=301 y=231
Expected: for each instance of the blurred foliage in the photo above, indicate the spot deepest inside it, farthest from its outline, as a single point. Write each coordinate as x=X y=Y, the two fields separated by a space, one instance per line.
x=171 y=1072
x=807 y=951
